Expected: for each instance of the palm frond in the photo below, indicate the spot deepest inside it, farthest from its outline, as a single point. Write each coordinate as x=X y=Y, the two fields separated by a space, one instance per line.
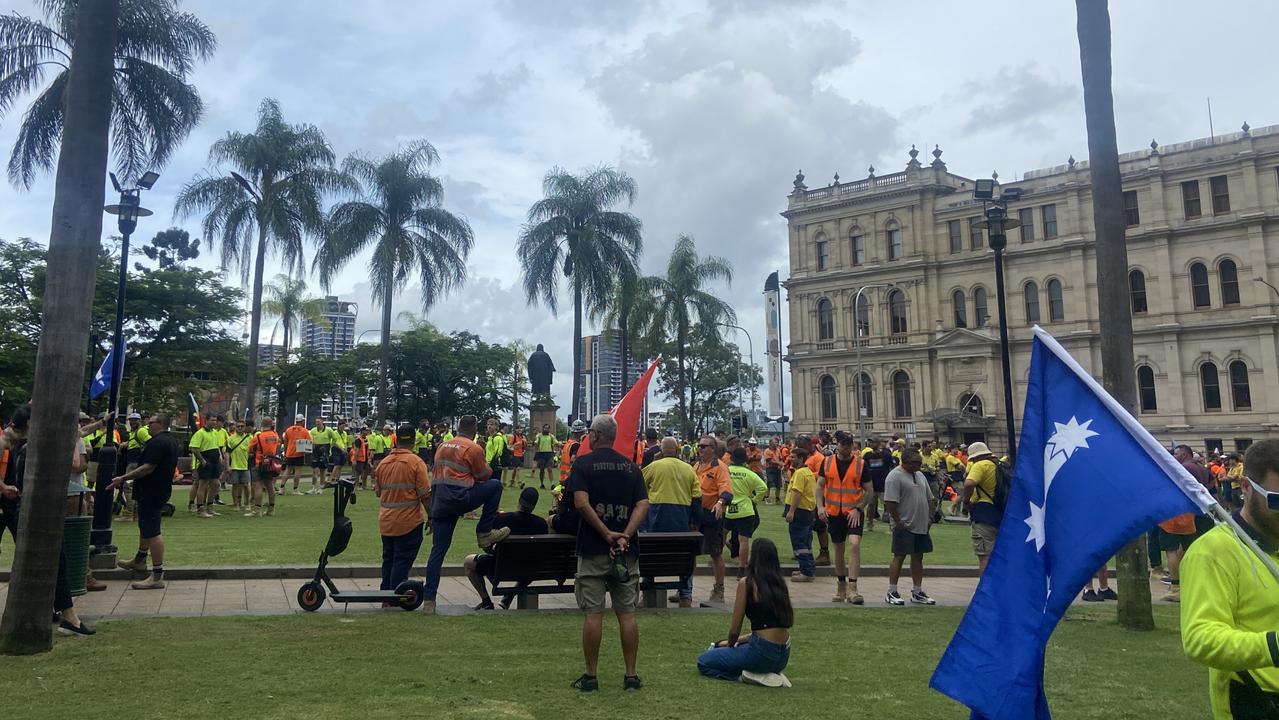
x=352 y=226
x=37 y=142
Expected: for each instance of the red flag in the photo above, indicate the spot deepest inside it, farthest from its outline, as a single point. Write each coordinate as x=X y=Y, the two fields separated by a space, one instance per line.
x=627 y=415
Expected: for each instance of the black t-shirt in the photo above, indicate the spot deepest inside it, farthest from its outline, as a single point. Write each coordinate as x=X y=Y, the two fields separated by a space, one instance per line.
x=161 y=452
x=879 y=463
x=14 y=472
x=521 y=523
x=615 y=486
x=650 y=454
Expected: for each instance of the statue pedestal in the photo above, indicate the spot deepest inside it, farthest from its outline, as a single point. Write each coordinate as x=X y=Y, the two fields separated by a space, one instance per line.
x=541 y=411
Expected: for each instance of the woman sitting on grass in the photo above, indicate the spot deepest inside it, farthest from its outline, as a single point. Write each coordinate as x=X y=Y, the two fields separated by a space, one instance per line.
x=762 y=596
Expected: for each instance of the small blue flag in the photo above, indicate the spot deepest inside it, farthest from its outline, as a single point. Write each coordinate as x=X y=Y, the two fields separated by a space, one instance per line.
x=1088 y=479
x=102 y=380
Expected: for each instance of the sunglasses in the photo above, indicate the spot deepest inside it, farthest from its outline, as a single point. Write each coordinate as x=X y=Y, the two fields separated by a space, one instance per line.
x=1272 y=498
x=702 y=446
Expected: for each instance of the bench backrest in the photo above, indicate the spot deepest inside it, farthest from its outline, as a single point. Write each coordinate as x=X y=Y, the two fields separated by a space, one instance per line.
x=668 y=554
x=530 y=558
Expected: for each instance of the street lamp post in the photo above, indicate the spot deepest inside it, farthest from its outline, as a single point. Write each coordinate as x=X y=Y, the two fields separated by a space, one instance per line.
x=857 y=340
x=110 y=457
x=997 y=224
x=750 y=345
x=1267 y=284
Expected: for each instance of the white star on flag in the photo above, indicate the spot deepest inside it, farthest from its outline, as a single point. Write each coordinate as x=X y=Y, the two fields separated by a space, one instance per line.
x=1068 y=438
x=1036 y=523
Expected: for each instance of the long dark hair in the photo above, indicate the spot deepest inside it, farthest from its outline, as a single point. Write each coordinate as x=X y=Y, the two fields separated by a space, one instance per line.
x=765 y=573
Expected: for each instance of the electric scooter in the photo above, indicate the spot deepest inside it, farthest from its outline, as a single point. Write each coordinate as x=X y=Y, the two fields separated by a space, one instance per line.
x=311 y=595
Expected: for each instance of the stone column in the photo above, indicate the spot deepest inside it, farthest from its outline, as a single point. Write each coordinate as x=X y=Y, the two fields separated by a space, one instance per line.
x=542 y=411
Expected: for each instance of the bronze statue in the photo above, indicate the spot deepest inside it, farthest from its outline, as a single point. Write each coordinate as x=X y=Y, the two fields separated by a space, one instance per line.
x=540 y=370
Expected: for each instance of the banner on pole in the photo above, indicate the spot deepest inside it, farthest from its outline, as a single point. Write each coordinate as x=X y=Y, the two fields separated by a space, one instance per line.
x=773 y=343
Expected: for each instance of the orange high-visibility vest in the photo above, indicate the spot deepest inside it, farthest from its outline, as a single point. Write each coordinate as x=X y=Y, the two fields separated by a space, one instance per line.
x=567 y=453
x=359 y=449
x=517 y=445
x=842 y=493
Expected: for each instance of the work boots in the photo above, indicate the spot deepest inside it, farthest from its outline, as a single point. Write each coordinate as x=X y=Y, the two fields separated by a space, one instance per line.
x=823 y=557
x=717 y=593
x=841 y=592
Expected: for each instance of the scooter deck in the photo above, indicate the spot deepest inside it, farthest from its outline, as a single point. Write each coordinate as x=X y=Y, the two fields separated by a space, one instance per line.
x=365 y=596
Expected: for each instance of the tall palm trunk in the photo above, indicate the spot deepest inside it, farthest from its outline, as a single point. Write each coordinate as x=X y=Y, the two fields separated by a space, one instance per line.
x=255 y=324
x=74 y=241
x=384 y=352
x=681 y=337
x=577 y=346
x=1115 y=318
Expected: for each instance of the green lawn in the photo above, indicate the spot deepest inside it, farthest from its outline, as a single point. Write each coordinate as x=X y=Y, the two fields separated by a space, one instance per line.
x=867 y=663
x=296 y=534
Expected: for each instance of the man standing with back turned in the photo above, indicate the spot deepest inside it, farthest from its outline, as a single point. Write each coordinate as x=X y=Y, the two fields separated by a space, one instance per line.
x=462 y=482
x=608 y=491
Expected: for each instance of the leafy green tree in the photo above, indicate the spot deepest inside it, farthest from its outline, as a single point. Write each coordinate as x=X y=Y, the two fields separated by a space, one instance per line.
x=673 y=303
x=169 y=249
x=303 y=379
x=403 y=220
x=716 y=377
x=286 y=299
x=21 y=261
x=270 y=205
x=574 y=231
x=154 y=108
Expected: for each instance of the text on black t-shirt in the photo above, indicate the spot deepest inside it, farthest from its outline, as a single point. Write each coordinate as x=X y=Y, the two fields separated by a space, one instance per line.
x=615 y=486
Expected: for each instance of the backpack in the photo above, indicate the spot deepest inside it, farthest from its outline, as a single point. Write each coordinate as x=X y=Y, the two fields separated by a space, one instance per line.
x=1003 y=488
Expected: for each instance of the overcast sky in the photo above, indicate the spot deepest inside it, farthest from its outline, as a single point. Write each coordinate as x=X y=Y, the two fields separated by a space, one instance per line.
x=711 y=105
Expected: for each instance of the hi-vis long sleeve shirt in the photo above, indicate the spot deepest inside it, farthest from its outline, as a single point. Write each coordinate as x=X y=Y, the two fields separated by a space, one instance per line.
x=1230 y=614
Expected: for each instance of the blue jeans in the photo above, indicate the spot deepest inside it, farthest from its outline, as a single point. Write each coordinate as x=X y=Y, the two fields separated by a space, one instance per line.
x=758 y=655
x=801 y=540
x=448 y=504
x=399 y=552
x=668 y=517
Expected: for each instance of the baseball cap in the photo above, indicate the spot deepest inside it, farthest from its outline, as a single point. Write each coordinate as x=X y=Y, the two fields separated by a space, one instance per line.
x=528 y=499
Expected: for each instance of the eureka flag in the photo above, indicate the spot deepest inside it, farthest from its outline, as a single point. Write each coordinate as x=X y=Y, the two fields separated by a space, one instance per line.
x=1089 y=478
x=102 y=379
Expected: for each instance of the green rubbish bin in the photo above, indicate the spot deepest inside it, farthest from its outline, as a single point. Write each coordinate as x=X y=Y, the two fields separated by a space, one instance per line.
x=75 y=543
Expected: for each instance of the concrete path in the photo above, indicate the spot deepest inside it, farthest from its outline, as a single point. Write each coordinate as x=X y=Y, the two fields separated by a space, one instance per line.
x=187 y=598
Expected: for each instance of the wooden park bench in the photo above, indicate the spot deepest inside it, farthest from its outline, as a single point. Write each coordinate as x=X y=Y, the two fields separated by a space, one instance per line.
x=529 y=566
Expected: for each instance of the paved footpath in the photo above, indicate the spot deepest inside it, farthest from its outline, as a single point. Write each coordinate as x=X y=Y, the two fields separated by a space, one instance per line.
x=187 y=598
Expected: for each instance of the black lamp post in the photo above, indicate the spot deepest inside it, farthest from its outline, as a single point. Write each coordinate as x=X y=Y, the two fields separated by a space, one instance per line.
x=997 y=225
x=111 y=456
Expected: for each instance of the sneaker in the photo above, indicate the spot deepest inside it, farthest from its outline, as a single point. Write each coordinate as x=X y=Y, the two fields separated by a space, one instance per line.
x=299 y=492
x=772 y=680
x=492 y=537
x=135 y=565
x=214 y=513
x=253 y=513
x=486 y=605
x=632 y=683
x=894 y=598
x=428 y=607
x=921 y=598
x=1157 y=572
x=1173 y=595
x=270 y=511
x=1108 y=594
x=1166 y=579
x=1090 y=595
x=81 y=630
x=587 y=684
x=190 y=508
x=151 y=583
x=855 y=598
x=800 y=577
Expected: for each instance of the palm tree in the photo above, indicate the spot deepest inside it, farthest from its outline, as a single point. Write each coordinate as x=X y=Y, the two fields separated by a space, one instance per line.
x=573 y=230
x=676 y=302
x=270 y=205
x=68 y=302
x=403 y=220
x=287 y=300
x=153 y=109
x=617 y=315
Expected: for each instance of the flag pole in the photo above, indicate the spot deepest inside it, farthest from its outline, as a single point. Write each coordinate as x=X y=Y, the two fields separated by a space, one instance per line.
x=1222 y=517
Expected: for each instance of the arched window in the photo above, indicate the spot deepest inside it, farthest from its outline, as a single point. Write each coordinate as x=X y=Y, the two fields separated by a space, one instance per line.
x=865 y=397
x=823 y=252
x=1146 y=389
x=858 y=243
x=897 y=312
x=1240 y=394
x=1137 y=291
x=1228 y=274
x=1211 y=387
x=980 y=312
x=863 y=316
x=894 y=233
x=961 y=308
x=830 y=398
x=1199 y=286
x=1032 y=302
x=825 y=320
x=1056 y=307
x=901 y=394
x=971 y=403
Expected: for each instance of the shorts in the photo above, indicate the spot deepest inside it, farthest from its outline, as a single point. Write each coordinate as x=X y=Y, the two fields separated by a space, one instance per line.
x=906 y=542
x=293 y=461
x=739 y=528
x=543 y=460
x=338 y=458
x=712 y=533
x=595 y=575
x=773 y=477
x=819 y=525
x=485 y=565
x=360 y=466
x=238 y=477
x=516 y=461
x=840 y=528
x=320 y=457
x=983 y=538
x=149 y=510
x=208 y=471
x=1170 y=541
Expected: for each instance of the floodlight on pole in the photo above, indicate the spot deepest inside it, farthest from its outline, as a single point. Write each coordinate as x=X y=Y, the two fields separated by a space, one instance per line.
x=997 y=225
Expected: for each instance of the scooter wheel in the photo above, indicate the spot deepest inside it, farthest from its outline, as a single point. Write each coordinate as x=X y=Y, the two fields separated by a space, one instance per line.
x=311 y=596
x=410 y=592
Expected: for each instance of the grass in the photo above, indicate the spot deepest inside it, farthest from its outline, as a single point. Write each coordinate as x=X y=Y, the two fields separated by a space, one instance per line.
x=518 y=665
x=296 y=534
